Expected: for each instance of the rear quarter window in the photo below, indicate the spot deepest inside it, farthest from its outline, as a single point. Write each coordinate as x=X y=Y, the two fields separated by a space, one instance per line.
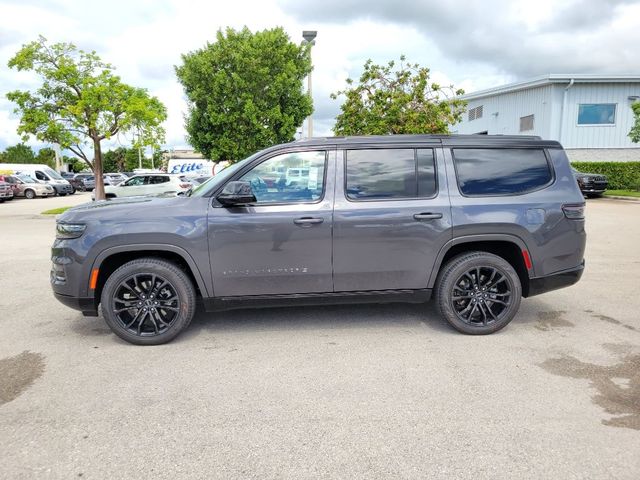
x=505 y=171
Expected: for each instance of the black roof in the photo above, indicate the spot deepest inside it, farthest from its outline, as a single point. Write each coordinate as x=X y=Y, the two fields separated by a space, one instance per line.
x=447 y=140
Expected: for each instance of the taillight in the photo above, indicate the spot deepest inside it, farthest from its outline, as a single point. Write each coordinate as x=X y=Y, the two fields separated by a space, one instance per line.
x=185 y=185
x=574 y=211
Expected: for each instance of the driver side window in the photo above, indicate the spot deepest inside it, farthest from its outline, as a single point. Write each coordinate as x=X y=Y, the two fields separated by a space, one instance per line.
x=135 y=181
x=289 y=178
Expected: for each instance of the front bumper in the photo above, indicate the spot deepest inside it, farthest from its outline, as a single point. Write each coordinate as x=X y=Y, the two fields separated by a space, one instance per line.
x=63 y=189
x=86 y=305
x=564 y=278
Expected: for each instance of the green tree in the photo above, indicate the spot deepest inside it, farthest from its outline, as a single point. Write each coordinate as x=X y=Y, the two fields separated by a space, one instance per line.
x=19 y=153
x=634 y=134
x=81 y=102
x=245 y=92
x=390 y=100
x=46 y=156
x=124 y=159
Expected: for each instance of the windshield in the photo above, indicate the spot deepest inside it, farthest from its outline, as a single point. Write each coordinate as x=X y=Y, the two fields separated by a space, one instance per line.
x=52 y=174
x=215 y=182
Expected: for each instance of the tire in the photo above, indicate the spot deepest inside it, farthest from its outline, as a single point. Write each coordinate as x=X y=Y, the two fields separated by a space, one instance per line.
x=30 y=194
x=473 y=310
x=73 y=190
x=145 y=327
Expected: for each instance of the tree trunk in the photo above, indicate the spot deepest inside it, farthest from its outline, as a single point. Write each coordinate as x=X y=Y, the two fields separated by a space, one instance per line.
x=97 y=170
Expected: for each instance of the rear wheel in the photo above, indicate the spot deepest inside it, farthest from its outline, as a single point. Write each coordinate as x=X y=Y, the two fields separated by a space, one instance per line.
x=30 y=194
x=148 y=301
x=478 y=293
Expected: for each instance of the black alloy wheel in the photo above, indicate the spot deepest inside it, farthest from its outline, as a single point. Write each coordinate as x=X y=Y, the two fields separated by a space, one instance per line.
x=148 y=301
x=478 y=292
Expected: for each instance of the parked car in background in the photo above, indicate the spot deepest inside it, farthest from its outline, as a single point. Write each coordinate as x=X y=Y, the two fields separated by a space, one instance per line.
x=591 y=184
x=195 y=181
x=25 y=186
x=6 y=192
x=80 y=183
x=148 y=184
x=476 y=221
x=114 y=178
x=42 y=173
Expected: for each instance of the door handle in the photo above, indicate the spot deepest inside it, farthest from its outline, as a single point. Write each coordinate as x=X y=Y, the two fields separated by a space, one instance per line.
x=427 y=216
x=308 y=221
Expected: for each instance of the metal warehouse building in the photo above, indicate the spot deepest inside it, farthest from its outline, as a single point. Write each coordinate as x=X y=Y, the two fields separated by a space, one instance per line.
x=589 y=114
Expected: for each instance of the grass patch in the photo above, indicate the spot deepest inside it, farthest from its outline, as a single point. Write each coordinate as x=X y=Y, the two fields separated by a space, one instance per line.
x=623 y=193
x=55 y=211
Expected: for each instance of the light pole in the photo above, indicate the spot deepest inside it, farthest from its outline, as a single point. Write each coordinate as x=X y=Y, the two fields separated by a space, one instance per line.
x=309 y=37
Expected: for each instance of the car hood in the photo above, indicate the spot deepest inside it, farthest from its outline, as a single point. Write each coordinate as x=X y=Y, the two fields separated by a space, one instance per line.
x=132 y=208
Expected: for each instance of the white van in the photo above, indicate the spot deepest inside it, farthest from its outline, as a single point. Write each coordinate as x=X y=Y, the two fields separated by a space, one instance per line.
x=41 y=173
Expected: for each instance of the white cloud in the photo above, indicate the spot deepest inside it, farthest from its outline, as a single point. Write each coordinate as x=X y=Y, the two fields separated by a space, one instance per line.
x=472 y=44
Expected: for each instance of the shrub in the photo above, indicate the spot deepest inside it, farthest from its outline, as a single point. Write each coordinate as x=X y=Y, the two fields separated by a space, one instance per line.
x=621 y=175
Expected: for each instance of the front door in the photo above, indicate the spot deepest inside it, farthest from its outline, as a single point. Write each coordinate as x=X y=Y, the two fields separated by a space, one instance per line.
x=392 y=214
x=282 y=243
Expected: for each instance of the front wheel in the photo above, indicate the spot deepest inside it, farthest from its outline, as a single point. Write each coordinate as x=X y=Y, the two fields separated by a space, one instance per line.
x=148 y=301
x=478 y=293
x=30 y=194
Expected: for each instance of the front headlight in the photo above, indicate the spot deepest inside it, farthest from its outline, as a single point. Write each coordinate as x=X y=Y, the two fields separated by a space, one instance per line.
x=69 y=230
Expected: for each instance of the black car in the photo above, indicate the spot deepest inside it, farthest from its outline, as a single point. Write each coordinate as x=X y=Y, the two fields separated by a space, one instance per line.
x=591 y=184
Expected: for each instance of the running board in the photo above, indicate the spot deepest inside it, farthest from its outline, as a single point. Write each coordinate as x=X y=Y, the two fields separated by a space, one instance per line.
x=217 y=304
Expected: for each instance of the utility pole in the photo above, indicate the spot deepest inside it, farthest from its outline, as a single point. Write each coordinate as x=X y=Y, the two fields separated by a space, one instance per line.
x=309 y=37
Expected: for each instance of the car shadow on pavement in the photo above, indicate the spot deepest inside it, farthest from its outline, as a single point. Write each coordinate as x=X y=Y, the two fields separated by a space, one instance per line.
x=318 y=317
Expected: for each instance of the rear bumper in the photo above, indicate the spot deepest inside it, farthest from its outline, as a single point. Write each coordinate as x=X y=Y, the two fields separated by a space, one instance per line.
x=564 y=278
x=86 y=305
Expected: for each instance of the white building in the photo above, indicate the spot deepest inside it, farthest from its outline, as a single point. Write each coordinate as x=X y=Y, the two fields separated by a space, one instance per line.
x=589 y=114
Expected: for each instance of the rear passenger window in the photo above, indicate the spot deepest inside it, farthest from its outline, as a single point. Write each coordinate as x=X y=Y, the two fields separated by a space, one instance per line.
x=390 y=173
x=509 y=171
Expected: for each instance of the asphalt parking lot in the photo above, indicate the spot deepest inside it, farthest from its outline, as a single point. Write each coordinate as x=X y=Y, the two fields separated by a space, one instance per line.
x=333 y=392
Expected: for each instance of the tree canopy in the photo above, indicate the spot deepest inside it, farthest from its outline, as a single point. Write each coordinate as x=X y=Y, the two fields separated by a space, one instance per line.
x=396 y=99
x=245 y=92
x=19 y=153
x=634 y=134
x=81 y=102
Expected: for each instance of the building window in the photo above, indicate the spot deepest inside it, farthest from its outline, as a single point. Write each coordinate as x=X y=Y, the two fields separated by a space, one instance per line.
x=597 y=114
x=526 y=123
x=475 y=113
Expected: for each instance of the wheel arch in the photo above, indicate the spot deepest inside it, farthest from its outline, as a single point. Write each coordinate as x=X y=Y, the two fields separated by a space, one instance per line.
x=112 y=258
x=508 y=247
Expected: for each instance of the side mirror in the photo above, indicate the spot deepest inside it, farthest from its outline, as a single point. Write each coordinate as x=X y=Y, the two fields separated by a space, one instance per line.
x=236 y=193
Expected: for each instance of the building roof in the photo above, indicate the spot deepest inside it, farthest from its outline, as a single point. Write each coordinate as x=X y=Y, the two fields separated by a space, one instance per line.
x=552 y=78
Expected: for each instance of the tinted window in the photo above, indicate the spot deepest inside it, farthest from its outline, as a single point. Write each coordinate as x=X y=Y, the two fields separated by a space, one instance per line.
x=288 y=178
x=41 y=176
x=597 y=114
x=390 y=173
x=426 y=173
x=500 y=171
x=158 y=179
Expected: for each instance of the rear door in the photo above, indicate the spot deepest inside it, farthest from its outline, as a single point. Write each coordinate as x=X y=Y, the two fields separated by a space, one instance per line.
x=392 y=214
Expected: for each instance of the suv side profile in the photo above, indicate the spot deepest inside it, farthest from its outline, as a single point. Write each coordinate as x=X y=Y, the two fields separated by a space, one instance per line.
x=476 y=221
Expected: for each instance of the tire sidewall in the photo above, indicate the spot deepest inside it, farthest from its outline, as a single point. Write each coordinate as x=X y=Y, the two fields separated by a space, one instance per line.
x=178 y=280
x=454 y=269
x=29 y=194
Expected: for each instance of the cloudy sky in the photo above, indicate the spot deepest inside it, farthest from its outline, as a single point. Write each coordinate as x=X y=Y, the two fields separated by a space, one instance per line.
x=474 y=44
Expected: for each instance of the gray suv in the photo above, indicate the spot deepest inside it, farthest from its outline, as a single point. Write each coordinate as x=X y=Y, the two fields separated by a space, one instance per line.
x=476 y=221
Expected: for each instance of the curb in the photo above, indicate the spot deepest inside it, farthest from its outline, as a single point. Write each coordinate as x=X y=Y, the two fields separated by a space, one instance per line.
x=617 y=197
